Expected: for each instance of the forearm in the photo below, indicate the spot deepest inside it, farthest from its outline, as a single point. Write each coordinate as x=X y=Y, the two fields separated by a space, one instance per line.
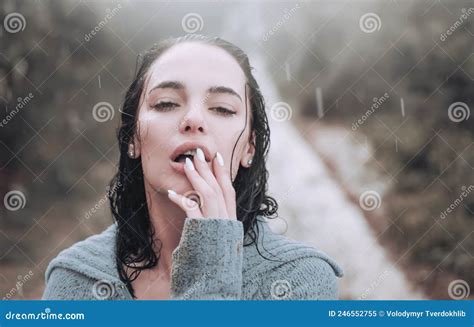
x=207 y=264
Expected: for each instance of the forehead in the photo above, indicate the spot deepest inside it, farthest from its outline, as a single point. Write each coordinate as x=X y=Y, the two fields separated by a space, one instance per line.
x=198 y=66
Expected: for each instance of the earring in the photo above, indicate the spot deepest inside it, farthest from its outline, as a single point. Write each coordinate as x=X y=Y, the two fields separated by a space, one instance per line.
x=249 y=162
x=131 y=151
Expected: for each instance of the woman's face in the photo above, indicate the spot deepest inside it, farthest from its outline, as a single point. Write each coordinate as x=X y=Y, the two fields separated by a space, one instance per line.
x=193 y=93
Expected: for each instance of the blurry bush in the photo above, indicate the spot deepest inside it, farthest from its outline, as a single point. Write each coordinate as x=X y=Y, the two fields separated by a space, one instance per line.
x=426 y=148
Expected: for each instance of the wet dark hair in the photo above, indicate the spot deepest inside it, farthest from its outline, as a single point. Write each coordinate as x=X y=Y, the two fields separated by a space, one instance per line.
x=135 y=242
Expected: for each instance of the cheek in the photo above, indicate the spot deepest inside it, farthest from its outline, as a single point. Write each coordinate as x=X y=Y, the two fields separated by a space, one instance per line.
x=227 y=146
x=154 y=147
x=154 y=132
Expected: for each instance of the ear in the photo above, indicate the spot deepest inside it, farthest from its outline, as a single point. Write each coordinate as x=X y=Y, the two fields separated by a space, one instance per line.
x=249 y=151
x=134 y=150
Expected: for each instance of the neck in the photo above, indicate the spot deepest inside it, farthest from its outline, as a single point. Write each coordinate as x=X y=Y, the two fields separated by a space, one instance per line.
x=168 y=221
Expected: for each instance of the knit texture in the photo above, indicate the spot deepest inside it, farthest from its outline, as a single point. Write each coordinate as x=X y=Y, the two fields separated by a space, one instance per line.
x=210 y=262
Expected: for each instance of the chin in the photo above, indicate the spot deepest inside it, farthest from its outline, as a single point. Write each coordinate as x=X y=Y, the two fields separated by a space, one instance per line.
x=179 y=184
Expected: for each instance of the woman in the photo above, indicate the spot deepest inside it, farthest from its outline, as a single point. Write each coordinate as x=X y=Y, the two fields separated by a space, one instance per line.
x=189 y=198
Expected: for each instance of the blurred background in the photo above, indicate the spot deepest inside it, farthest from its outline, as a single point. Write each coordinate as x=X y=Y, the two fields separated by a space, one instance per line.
x=369 y=104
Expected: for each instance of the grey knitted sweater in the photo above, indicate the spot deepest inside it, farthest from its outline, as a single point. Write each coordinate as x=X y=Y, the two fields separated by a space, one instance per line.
x=210 y=262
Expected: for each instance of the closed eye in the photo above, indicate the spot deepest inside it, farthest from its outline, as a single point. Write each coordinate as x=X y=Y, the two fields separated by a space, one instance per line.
x=165 y=105
x=168 y=106
x=223 y=111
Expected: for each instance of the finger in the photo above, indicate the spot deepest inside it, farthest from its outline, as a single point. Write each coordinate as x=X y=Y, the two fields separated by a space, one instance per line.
x=225 y=183
x=205 y=171
x=189 y=206
x=205 y=192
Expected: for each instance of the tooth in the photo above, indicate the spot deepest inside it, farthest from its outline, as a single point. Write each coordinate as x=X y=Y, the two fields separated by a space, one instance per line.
x=191 y=152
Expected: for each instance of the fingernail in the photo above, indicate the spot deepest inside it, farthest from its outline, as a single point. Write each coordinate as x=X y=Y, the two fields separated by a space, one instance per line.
x=200 y=155
x=220 y=161
x=171 y=192
x=189 y=164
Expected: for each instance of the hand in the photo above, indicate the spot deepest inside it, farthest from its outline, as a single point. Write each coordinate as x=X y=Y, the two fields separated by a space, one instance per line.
x=214 y=190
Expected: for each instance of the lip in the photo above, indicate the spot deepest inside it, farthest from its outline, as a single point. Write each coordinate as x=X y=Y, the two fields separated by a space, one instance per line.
x=183 y=147
x=178 y=167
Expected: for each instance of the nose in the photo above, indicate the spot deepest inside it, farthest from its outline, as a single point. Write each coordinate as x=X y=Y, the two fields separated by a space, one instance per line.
x=193 y=121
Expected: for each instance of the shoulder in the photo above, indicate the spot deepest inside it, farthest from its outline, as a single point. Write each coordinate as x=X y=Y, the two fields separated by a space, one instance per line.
x=291 y=269
x=77 y=268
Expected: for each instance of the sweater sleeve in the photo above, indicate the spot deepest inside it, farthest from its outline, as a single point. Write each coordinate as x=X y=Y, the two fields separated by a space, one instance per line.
x=207 y=264
x=307 y=278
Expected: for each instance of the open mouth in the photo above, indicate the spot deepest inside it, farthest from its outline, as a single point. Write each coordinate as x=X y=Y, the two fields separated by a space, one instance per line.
x=188 y=154
x=188 y=150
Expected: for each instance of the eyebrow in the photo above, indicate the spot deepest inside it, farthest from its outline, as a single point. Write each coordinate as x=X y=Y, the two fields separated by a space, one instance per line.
x=175 y=85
